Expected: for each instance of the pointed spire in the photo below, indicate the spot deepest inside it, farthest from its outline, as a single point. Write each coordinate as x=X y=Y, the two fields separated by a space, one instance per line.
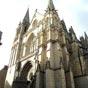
x=85 y=35
x=72 y=34
x=50 y=5
x=71 y=30
x=26 y=17
x=82 y=39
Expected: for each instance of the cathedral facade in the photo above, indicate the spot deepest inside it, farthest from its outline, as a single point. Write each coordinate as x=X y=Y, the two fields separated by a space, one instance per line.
x=46 y=55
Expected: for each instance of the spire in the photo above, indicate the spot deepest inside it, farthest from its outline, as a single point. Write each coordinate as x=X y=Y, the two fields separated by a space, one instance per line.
x=71 y=30
x=26 y=17
x=50 y=5
x=85 y=35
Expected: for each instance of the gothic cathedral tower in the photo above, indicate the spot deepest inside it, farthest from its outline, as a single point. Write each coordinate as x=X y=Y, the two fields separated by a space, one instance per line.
x=45 y=55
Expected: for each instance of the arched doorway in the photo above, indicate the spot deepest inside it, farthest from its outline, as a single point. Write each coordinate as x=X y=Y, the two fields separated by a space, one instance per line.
x=22 y=82
x=25 y=70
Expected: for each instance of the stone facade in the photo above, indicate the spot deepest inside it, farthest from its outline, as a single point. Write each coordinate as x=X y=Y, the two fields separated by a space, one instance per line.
x=46 y=55
x=3 y=73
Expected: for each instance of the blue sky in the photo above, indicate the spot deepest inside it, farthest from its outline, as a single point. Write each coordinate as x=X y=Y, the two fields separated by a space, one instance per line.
x=74 y=13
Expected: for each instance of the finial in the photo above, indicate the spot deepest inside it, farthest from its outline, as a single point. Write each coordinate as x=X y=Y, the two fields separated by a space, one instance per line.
x=71 y=30
x=20 y=23
x=36 y=10
x=85 y=35
x=50 y=5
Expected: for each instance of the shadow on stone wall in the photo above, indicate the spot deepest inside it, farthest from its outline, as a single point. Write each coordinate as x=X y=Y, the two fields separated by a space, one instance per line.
x=7 y=85
x=81 y=82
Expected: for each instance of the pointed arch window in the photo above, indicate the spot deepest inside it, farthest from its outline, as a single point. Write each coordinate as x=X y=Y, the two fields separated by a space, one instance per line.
x=34 y=23
x=31 y=44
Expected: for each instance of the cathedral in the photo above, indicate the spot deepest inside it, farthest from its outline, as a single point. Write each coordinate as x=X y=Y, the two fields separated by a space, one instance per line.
x=47 y=55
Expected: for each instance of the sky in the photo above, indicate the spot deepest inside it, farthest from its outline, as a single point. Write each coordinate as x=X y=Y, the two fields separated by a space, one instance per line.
x=73 y=12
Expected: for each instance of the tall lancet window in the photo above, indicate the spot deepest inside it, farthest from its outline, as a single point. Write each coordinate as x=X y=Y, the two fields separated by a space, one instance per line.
x=34 y=25
x=31 y=43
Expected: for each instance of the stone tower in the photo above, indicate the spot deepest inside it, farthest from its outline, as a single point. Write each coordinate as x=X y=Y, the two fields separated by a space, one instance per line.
x=45 y=55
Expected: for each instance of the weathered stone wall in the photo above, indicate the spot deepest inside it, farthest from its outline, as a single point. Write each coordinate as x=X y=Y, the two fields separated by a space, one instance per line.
x=3 y=73
x=81 y=82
